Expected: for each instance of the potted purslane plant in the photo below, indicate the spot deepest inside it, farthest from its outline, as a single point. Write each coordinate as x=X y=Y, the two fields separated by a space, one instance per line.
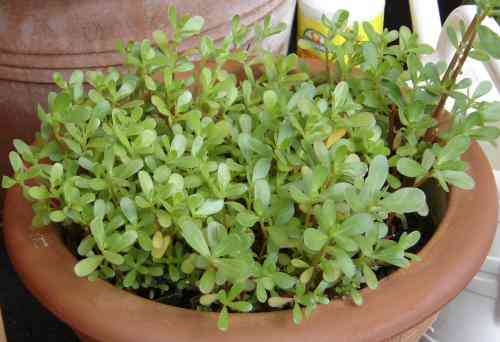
x=253 y=182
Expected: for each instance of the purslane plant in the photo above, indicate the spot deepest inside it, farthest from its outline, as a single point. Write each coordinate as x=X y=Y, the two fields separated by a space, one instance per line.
x=283 y=189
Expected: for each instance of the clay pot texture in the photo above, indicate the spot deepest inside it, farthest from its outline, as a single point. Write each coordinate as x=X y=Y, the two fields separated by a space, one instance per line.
x=38 y=38
x=402 y=306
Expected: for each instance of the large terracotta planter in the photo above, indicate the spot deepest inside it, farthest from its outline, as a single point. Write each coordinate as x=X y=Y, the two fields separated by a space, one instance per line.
x=400 y=310
x=38 y=38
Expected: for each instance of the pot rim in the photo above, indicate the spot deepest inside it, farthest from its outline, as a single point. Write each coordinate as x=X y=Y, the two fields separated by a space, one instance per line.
x=42 y=65
x=110 y=314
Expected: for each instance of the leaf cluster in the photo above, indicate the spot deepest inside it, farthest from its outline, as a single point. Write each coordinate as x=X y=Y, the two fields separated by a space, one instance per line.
x=273 y=190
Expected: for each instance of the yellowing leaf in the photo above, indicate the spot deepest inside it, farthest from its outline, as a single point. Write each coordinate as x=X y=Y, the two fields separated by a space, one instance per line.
x=335 y=136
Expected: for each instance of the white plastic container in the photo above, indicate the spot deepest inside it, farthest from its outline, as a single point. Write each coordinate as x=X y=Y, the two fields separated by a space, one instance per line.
x=285 y=13
x=312 y=30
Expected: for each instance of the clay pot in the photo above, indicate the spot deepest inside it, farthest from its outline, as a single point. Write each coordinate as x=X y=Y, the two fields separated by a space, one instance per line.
x=38 y=38
x=399 y=310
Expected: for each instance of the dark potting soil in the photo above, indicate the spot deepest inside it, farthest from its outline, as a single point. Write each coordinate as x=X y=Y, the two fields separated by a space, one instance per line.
x=188 y=297
x=425 y=226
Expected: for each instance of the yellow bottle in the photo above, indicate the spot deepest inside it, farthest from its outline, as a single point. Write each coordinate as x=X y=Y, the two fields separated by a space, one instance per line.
x=311 y=32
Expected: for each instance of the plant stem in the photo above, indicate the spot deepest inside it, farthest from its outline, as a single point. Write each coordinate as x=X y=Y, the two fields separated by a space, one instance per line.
x=327 y=61
x=308 y=218
x=421 y=181
x=454 y=69
x=391 y=134
x=264 y=239
x=392 y=224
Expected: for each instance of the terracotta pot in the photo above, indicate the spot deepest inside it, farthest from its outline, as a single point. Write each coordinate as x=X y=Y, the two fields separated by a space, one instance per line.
x=399 y=310
x=38 y=38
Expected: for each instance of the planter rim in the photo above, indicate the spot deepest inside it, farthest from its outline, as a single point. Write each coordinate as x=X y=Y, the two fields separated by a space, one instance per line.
x=405 y=298
x=41 y=65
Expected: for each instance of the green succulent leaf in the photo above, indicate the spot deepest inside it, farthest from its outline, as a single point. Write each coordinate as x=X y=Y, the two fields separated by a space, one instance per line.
x=207 y=281
x=129 y=209
x=370 y=277
x=193 y=235
x=38 y=192
x=210 y=207
x=488 y=40
x=235 y=270
x=88 y=265
x=194 y=24
x=183 y=101
x=357 y=224
x=454 y=148
x=410 y=168
x=223 y=321
x=315 y=239
x=490 y=112
x=377 y=174
x=405 y=200
x=459 y=179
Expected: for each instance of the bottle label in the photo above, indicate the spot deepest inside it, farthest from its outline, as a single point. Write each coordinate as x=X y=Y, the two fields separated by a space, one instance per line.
x=311 y=34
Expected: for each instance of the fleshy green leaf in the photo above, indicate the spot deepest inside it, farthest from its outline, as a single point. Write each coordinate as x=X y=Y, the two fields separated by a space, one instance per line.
x=261 y=169
x=370 y=277
x=113 y=257
x=207 y=281
x=98 y=232
x=246 y=219
x=129 y=209
x=377 y=174
x=270 y=99
x=183 y=101
x=405 y=200
x=223 y=321
x=61 y=102
x=459 y=179
x=410 y=168
x=124 y=241
x=482 y=89
x=193 y=24
x=454 y=148
x=297 y=314
x=8 y=182
x=235 y=270
x=88 y=265
x=146 y=182
x=193 y=235
x=241 y=306
x=409 y=240
x=39 y=192
x=489 y=41
x=57 y=216
x=223 y=175
x=283 y=280
x=314 y=239
x=490 y=112
x=15 y=161
x=279 y=302
x=210 y=207
x=357 y=224
x=262 y=192
x=159 y=104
